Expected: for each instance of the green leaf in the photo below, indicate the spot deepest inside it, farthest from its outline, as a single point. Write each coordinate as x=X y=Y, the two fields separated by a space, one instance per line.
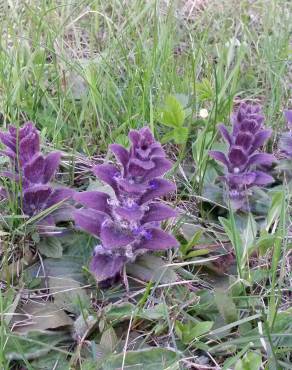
x=51 y=361
x=146 y=359
x=180 y=135
x=50 y=247
x=226 y=306
x=189 y=332
x=68 y=294
x=250 y=361
x=39 y=315
x=33 y=345
x=173 y=114
x=121 y=311
x=109 y=340
x=150 y=267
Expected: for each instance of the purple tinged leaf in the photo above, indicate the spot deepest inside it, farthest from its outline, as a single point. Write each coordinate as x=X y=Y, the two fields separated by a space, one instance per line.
x=260 y=138
x=120 y=153
x=130 y=186
x=158 y=240
x=225 y=133
x=162 y=165
x=288 y=116
x=51 y=165
x=35 y=199
x=157 y=188
x=89 y=220
x=104 y=267
x=94 y=199
x=261 y=159
x=59 y=195
x=241 y=179
x=107 y=173
x=34 y=170
x=158 y=212
x=244 y=139
x=29 y=146
x=262 y=178
x=113 y=237
x=133 y=213
x=219 y=156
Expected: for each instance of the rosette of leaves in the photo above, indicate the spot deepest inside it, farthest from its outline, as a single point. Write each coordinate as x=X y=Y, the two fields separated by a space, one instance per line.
x=128 y=224
x=243 y=161
x=33 y=172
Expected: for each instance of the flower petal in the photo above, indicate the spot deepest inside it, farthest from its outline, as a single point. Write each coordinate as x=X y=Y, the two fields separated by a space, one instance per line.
x=113 y=237
x=288 y=116
x=157 y=188
x=134 y=213
x=158 y=240
x=89 y=220
x=58 y=195
x=237 y=156
x=158 y=212
x=162 y=165
x=94 y=199
x=104 y=267
x=35 y=199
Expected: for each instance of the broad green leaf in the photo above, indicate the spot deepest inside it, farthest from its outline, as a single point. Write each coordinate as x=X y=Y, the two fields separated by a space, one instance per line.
x=190 y=331
x=146 y=359
x=50 y=361
x=50 y=247
x=250 y=361
x=121 y=311
x=39 y=315
x=68 y=294
x=275 y=209
x=33 y=345
x=226 y=306
x=109 y=340
x=180 y=135
x=173 y=114
x=150 y=267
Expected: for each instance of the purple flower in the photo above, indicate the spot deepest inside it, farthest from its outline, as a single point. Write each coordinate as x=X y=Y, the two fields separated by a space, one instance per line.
x=129 y=223
x=286 y=138
x=32 y=171
x=243 y=155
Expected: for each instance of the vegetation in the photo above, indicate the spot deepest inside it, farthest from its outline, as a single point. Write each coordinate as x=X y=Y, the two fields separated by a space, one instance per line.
x=215 y=291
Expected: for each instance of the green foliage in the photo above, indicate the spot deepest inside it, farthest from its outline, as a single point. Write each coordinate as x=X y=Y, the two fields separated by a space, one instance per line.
x=173 y=116
x=250 y=361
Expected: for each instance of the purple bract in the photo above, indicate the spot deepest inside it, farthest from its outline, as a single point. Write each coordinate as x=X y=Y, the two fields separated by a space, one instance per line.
x=32 y=171
x=128 y=224
x=243 y=156
x=286 y=138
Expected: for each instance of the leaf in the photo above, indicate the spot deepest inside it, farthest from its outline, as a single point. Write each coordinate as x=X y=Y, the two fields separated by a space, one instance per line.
x=226 y=306
x=68 y=294
x=83 y=326
x=109 y=339
x=50 y=247
x=189 y=332
x=50 y=361
x=146 y=359
x=39 y=316
x=173 y=114
x=33 y=345
x=150 y=267
x=250 y=361
x=121 y=311
x=275 y=209
x=180 y=135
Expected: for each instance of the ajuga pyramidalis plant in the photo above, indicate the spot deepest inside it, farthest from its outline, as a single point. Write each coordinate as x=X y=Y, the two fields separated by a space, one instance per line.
x=33 y=172
x=243 y=157
x=128 y=224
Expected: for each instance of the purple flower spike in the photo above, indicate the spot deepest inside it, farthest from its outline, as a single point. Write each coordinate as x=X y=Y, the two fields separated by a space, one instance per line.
x=286 y=138
x=128 y=224
x=33 y=171
x=248 y=135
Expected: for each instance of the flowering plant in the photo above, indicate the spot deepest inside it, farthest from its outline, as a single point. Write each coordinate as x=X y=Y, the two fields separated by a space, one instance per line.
x=128 y=224
x=286 y=138
x=33 y=172
x=243 y=156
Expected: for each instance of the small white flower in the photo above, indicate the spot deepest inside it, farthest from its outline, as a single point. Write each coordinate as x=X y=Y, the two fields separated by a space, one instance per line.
x=203 y=113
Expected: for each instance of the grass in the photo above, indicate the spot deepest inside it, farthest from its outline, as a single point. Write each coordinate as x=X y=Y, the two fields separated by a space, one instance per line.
x=88 y=71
